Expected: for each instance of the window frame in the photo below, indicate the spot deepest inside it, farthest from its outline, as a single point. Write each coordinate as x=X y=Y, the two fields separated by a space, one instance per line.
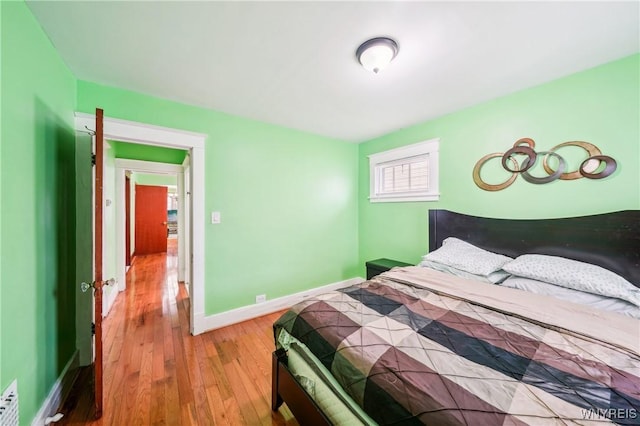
x=377 y=161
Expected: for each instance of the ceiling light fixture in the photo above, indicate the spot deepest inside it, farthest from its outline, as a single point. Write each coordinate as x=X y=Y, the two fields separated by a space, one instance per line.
x=377 y=53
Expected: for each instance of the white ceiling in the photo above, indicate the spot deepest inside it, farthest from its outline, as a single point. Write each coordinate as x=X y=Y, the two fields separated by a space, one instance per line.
x=293 y=63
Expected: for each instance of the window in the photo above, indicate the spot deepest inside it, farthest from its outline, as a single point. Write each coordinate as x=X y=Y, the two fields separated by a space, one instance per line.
x=172 y=198
x=409 y=173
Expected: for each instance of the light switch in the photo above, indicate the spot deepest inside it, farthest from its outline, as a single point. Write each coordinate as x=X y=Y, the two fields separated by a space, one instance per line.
x=215 y=217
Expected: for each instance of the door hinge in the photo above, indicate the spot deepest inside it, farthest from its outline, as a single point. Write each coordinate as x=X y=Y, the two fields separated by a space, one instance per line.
x=93 y=159
x=93 y=328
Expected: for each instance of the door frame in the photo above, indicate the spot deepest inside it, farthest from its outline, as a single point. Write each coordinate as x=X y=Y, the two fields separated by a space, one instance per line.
x=127 y=221
x=194 y=143
x=138 y=166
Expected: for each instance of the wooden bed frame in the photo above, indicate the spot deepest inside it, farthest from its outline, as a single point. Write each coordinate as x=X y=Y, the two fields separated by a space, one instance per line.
x=285 y=388
x=610 y=240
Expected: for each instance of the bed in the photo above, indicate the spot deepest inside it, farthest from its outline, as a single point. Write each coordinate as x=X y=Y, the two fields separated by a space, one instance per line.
x=417 y=345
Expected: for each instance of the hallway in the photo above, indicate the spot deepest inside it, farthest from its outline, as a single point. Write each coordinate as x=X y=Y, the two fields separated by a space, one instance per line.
x=155 y=372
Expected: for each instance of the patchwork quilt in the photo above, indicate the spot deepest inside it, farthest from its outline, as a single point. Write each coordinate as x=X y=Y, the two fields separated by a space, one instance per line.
x=411 y=354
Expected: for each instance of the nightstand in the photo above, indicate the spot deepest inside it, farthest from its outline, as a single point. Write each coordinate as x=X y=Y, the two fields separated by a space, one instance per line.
x=378 y=266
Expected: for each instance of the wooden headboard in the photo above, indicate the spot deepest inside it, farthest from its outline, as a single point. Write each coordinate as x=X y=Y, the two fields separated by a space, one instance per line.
x=610 y=240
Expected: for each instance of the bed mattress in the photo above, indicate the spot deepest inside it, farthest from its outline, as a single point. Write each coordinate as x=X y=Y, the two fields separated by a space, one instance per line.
x=415 y=346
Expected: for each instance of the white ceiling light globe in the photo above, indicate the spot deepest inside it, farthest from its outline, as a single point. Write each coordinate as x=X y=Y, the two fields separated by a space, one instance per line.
x=377 y=53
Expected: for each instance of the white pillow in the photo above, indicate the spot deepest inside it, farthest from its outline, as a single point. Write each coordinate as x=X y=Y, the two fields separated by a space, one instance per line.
x=462 y=255
x=589 y=299
x=575 y=275
x=493 y=278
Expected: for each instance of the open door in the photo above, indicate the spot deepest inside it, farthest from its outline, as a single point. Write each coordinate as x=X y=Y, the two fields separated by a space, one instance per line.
x=97 y=249
x=98 y=283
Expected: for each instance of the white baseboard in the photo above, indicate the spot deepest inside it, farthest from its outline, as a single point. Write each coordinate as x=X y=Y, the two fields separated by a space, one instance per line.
x=207 y=323
x=110 y=295
x=59 y=391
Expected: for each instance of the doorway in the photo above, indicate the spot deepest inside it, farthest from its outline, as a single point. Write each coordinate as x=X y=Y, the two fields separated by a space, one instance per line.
x=184 y=212
x=194 y=144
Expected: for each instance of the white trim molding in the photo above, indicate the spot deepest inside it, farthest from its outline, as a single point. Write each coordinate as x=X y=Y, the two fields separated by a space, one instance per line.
x=148 y=166
x=244 y=313
x=59 y=391
x=194 y=143
x=184 y=221
x=142 y=133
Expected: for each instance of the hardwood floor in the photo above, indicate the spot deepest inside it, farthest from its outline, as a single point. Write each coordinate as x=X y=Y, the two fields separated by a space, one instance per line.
x=156 y=373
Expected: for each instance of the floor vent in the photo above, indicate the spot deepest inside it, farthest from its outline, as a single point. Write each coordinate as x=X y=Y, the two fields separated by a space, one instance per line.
x=9 y=406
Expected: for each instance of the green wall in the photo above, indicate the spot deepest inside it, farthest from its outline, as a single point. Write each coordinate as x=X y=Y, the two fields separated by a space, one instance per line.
x=158 y=154
x=38 y=210
x=288 y=199
x=155 y=179
x=600 y=106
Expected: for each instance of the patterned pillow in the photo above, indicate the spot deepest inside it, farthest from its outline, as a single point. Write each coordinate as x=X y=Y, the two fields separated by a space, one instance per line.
x=575 y=275
x=462 y=255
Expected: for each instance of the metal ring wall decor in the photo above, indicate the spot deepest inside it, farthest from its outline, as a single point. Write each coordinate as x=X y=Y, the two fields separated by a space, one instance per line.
x=610 y=166
x=526 y=164
x=591 y=149
x=487 y=187
x=525 y=146
x=562 y=166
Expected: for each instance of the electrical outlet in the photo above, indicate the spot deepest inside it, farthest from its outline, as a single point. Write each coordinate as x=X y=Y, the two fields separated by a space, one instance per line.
x=261 y=298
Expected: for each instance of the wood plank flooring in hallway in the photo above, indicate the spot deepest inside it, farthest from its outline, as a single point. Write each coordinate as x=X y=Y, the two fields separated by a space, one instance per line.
x=156 y=373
